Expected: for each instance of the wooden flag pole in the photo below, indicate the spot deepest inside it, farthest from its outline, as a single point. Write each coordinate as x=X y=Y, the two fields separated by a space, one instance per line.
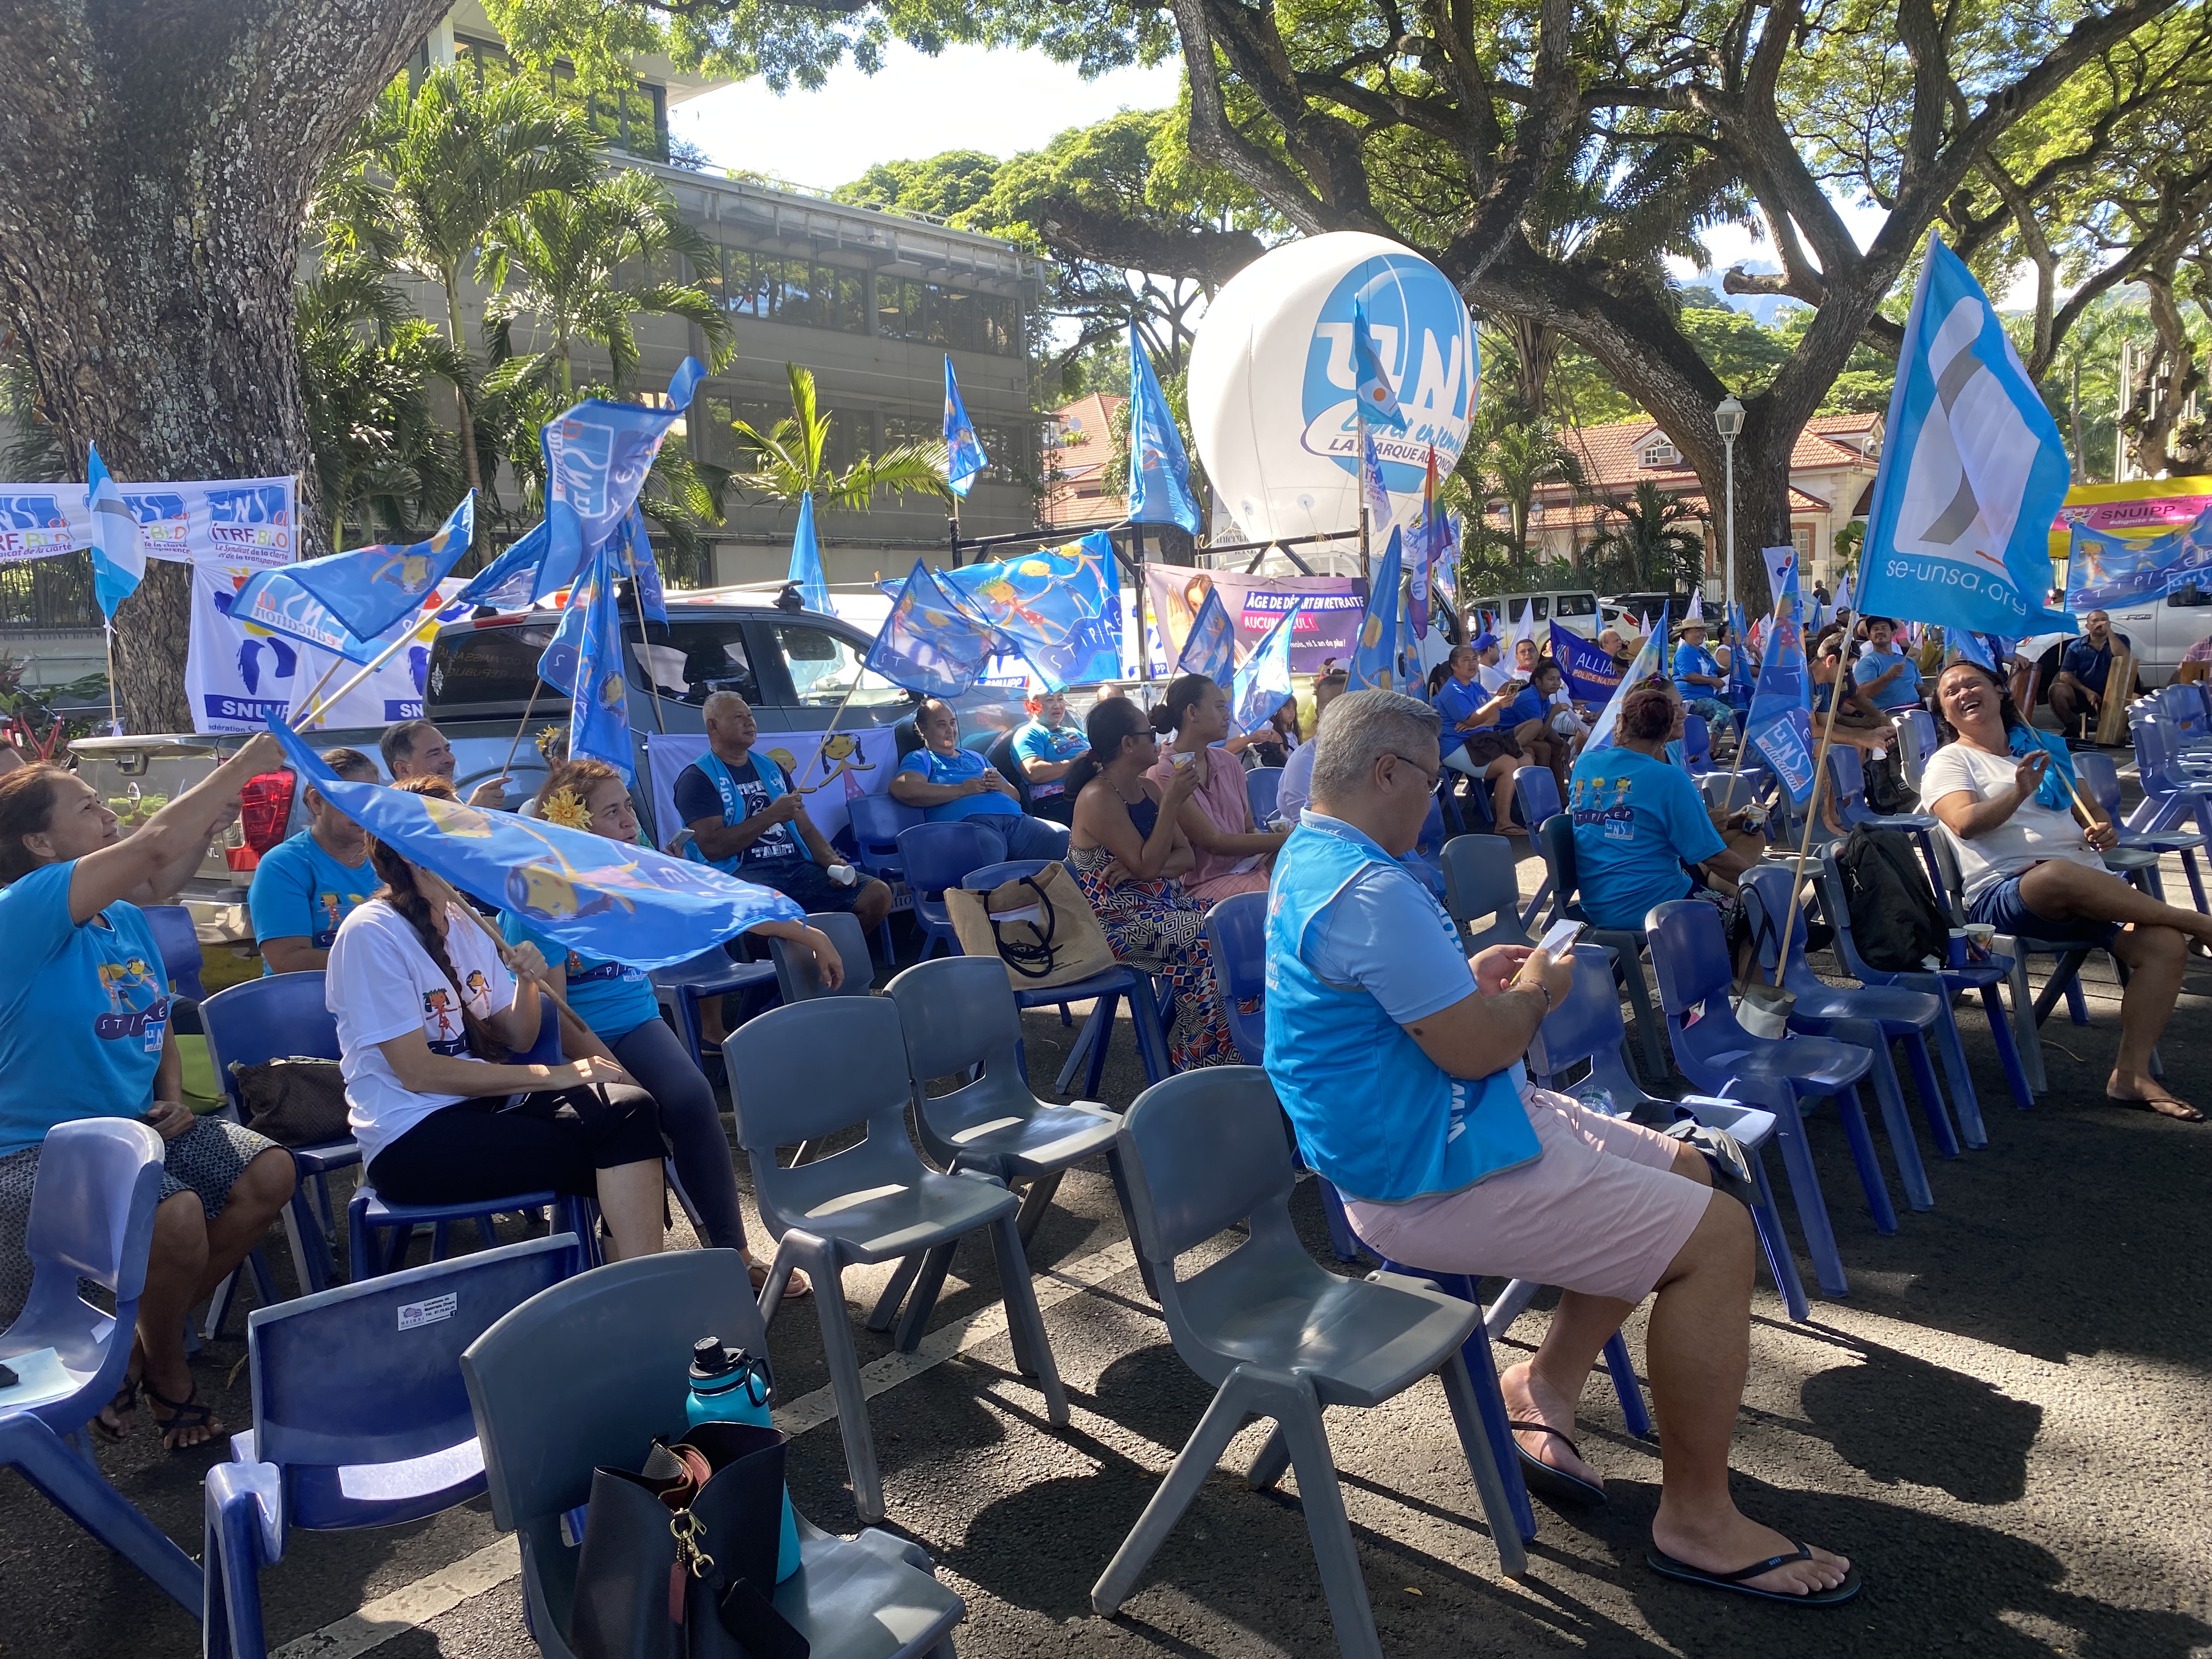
x=1805 y=843
x=318 y=709
x=337 y=658
x=442 y=888
x=528 y=708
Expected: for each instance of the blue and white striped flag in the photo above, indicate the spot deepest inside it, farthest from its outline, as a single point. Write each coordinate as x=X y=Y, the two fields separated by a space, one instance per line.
x=119 y=556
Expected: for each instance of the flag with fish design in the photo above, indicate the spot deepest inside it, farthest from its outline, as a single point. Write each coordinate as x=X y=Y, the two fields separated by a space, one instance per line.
x=929 y=643
x=369 y=588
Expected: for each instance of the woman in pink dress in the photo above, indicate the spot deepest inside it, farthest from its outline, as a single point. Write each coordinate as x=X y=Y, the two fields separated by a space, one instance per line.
x=1233 y=853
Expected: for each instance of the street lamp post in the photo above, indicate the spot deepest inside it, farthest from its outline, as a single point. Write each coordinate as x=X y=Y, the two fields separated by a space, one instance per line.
x=1727 y=421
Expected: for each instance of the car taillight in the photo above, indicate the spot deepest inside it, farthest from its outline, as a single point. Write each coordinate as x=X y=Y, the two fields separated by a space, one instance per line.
x=264 y=808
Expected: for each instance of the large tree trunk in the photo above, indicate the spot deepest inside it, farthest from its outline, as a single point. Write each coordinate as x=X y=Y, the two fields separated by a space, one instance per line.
x=155 y=162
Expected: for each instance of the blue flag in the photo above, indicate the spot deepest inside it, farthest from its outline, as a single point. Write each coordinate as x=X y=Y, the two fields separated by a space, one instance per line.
x=1260 y=686
x=1973 y=472
x=2103 y=571
x=642 y=568
x=1429 y=546
x=119 y=553
x=596 y=457
x=509 y=582
x=1374 y=493
x=930 y=644
x=1210 y=646
x=1971 y=648
x=1376 y=401
x=598 y=707
x=1159 y=472
x=1060 y=605
x=271 y=602
x=1779 y=725
x=627 y=904
x=1649 y=661
x=1378 y=630
x=1591 y=674
x=963 y=450
x=806 y=560
x=1741 y=679
x=369 y=588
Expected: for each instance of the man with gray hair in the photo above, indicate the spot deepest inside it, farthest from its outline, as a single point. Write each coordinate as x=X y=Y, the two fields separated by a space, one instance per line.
x=1400 y=1064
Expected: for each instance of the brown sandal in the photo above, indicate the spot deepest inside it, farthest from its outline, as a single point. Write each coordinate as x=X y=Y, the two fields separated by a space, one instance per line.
x=794 y=1288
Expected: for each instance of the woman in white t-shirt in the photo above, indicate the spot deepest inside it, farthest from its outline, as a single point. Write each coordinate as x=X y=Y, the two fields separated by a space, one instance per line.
x=426 y=1015
x=2027 y=858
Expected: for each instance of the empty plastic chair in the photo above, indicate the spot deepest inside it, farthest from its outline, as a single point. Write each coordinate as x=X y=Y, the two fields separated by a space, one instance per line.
x=2100 y=781
x=960 y=1019
x=360 y=1417
x=1482 y=891
x=937 y=856
x=1555 y=837
x=1275 y=1335
x=1870 y=1017
x=803 y=1073
x=1690 y=955
x=1697 y=745
x=681 y=987
x=1262 y=787
x=178 y=942
x=587 y=1373
x=877 y=820
x=92 y=1217
x=795 y=977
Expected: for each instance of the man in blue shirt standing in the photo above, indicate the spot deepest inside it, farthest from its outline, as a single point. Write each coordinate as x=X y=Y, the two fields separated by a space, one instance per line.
x=1045 y=748
x=2084 y=671
x=305 y=886
x=947 y=781
x=1400 y=1064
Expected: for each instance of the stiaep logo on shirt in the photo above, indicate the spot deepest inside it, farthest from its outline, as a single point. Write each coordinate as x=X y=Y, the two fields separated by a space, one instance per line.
x=137 y=1001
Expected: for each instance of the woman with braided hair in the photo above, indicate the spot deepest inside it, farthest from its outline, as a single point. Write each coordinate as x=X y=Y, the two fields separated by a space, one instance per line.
x=429 y=1013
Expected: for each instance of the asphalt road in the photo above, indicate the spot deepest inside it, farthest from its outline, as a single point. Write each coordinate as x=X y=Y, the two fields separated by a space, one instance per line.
x=2002 y=1423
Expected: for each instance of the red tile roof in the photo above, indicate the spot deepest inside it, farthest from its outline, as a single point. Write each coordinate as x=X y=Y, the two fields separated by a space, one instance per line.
x=1076 y=468
x=1612 y=456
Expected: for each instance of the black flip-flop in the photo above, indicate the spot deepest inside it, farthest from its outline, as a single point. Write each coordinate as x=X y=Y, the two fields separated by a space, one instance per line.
x=1668 y=1567
x=1555 y=1485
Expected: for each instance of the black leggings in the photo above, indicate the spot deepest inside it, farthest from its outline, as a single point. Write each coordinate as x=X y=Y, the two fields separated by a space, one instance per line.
x=555 y=1140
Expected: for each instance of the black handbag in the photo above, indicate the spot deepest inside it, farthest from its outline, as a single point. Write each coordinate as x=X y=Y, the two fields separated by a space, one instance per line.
x=678 y=1561
x=296 y=1100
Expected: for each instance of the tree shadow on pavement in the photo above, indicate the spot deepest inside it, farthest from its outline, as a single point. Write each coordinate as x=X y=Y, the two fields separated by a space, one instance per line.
x=1898 y=1418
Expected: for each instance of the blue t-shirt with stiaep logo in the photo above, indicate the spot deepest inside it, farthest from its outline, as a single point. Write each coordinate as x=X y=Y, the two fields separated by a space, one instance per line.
x=1052 y=745
x=613 y=997
x=1637 y=821
x=83 y=1009
x=299 y=892
x=960 y=767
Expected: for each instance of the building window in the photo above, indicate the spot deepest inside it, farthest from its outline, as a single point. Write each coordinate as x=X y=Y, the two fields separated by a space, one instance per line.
x=1801 y=538
x=1659 y=454
x=949 y=318
x=795 y=291
x=634 y=119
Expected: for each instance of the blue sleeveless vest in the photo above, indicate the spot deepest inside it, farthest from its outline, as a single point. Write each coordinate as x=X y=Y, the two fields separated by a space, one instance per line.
x=1373 y=1113
x=733 y=805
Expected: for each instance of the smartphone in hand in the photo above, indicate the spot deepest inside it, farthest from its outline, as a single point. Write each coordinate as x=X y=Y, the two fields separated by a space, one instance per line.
x=1559 y=938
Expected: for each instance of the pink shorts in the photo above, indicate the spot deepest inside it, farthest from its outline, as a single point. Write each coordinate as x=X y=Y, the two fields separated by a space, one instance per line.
x=1600 y=1212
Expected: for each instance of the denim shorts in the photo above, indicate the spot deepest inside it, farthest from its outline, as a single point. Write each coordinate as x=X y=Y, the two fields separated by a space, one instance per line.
x=2002 y=907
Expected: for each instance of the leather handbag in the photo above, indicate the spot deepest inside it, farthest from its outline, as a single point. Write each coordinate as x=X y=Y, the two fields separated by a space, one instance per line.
x=678 y=1560
x=1041 y=926
x=297 y=1100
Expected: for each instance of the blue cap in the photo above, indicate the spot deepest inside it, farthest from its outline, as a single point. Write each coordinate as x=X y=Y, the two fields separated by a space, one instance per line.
x=1484 y=641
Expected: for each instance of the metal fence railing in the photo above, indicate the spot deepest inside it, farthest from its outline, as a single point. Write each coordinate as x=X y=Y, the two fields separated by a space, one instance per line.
x=48 y=594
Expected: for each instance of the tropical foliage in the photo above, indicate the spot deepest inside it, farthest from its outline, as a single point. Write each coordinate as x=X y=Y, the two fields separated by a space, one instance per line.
x=1646 y=544
x=792 y=458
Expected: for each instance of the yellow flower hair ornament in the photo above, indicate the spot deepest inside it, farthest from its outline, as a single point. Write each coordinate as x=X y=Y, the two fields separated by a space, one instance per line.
x=545 y=738
x=565 y=807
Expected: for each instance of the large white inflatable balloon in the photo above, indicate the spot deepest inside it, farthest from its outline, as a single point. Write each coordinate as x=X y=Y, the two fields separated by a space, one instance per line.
x=1272 y=382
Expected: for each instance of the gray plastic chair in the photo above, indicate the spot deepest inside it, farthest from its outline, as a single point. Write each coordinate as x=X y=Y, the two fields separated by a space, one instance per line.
x=794 y=969
x=1480 y=880
x=960 y=1016
x=1276 y=1334
x=588 y=1373
x=803 y=1072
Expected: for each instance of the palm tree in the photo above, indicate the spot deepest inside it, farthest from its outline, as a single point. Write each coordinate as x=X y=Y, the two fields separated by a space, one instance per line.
x=582 y=264
x=1651 y=548
x=432 y=169
x=790 y=460
x=366 y=366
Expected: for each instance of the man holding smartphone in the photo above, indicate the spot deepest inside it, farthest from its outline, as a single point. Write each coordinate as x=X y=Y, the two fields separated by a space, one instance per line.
x=1400 y=1064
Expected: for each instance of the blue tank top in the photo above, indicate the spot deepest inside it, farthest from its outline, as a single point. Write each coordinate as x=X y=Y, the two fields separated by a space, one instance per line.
x=1145 y=815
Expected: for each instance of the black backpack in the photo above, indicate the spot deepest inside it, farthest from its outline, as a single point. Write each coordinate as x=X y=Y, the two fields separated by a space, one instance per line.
x=1895 y=921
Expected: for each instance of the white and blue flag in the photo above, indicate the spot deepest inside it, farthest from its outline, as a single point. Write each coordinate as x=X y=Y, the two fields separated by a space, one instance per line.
x=1973 y=472
x=1377 y=400
x=1159 y=471
x=118 y=556
x=1210 y=649
x=964 y=451
x=806 y=560
x=1262 y=684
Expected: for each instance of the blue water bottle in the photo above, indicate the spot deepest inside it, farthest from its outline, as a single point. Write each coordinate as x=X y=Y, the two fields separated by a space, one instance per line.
x=728 y=1385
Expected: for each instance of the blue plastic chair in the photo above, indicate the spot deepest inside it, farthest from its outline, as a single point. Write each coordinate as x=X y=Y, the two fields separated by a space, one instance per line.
x=2100 y=781
x=1555 y=838
x=877 y=820
x=92 y=1217
x=1870 y=1017
x=179 y=943
x=1586 y=1031
x=681 y=987
x=1236 y=932
x=937 y=856
x=370 y=1216
x=795 y=978
x=1535 y=798
x=1946 y=984
x=1916 y=741
x=360 y=1417
x=1262 y=788
x=1697 y=745
x=260 y=1020
x=586 y=1373
x=1690 y=955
